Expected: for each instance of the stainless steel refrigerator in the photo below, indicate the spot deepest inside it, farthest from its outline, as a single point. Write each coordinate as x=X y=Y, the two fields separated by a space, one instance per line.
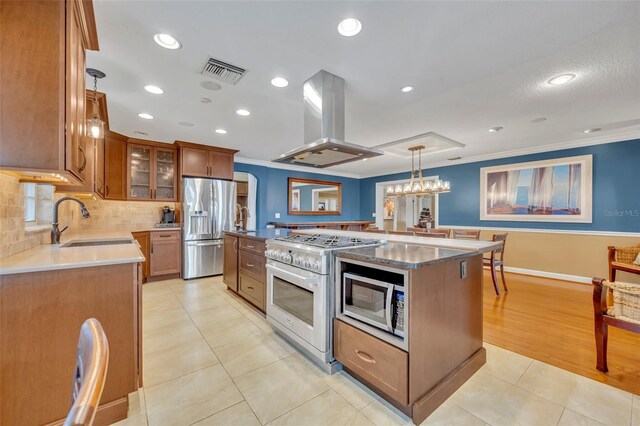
x=208 y=209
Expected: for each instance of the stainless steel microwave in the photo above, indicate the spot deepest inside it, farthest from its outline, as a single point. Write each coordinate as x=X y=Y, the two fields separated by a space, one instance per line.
x=374 y=302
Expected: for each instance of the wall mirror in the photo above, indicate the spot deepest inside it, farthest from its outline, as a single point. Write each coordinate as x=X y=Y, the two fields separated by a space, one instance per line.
x=314 y=197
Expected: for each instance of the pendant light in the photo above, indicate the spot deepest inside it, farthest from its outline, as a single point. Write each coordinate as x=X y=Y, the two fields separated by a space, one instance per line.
x=417 y=185
x=95 y=126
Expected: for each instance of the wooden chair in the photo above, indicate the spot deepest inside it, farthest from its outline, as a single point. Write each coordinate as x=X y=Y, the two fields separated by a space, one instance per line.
x=400 y=233
x=376 y=231
x=430 y=234
x=621 y=259
x=497 y=261
x=416 y=229
x=445 y=232
x=466 y=234
x=625 y=313
x=92 y=359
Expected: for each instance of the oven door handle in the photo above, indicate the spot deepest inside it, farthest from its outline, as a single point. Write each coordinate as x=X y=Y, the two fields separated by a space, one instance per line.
x=389 y=311
x=300 y=277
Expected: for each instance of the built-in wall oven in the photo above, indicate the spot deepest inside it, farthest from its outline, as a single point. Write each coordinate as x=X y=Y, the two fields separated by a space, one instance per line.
x=373 y=298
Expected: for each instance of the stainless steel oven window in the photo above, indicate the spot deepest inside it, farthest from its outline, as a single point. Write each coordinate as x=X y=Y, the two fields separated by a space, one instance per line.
x=293 y=300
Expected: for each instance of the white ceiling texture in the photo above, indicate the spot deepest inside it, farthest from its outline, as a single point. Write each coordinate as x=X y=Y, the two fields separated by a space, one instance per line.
x=474 y=65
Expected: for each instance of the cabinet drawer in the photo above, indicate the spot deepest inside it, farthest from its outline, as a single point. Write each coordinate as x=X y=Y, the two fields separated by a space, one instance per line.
x=252 y=245
x=253 y=265
x=252 y=290
x=381 y=364
x=165 y=235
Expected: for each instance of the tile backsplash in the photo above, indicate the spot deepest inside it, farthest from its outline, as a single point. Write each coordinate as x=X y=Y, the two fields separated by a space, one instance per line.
x=14 y=238
x=109 y=214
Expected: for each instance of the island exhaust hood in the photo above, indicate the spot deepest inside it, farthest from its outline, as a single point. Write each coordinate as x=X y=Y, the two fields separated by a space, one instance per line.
x=324 y=144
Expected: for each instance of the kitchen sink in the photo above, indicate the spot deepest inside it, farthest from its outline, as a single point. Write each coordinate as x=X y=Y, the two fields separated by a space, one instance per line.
x=96 y=243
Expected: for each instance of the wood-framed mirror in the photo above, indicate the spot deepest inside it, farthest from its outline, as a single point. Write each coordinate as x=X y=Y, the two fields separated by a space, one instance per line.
x=314 y=197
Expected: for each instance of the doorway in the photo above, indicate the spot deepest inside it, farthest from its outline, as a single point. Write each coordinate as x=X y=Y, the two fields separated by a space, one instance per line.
x=397 y=213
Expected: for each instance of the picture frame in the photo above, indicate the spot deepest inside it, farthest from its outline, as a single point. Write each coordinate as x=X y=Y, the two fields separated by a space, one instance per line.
x=556 y=190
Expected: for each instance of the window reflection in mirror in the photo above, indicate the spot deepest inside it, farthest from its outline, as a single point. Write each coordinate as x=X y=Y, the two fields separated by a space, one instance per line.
x=314 y=197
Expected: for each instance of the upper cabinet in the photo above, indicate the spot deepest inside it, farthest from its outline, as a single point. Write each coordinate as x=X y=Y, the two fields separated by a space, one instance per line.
x=115 y=166
x=42 y=75
x=151 y=171
x=205 y=161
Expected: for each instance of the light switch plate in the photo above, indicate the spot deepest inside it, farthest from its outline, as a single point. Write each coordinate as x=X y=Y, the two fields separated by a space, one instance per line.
x=277 y=215
x=373 y=214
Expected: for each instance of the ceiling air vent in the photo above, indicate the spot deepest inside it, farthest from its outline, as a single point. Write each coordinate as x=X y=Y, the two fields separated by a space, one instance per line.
x=222 y=71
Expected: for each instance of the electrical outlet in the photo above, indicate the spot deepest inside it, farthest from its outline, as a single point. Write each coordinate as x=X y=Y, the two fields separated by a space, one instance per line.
x=463 y=269
x=373 y=214
x=277 y=215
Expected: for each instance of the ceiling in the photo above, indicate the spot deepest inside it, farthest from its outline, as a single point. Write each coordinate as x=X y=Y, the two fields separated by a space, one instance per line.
x=474 y=65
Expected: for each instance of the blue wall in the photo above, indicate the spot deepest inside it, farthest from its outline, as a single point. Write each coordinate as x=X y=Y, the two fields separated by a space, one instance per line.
x=616 y=190
x=272 y=195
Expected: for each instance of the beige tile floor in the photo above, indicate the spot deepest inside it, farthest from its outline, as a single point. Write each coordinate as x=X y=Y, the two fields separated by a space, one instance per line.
x=209 y=359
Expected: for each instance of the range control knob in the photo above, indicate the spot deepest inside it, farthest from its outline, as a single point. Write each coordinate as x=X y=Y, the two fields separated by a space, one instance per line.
x=306 y=264
x=287 y=258
x=315 y=266
x=296 y=260
x=269 y=253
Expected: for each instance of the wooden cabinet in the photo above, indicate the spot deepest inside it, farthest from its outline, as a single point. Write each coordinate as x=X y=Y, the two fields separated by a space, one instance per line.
x=165 y=253
x=115 y=162
x=40 y=321
x=151 y=172
x=204 y=161
x=245 y=269
x=381 y=364
x=230 y=270
x=145 y=247
x=42 y=75
x=242 y=189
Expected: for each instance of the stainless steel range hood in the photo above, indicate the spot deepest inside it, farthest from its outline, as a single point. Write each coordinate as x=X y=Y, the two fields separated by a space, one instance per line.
x=324 y=144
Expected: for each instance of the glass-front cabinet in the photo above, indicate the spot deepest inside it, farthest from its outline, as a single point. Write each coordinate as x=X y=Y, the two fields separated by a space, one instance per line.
x=151 y=173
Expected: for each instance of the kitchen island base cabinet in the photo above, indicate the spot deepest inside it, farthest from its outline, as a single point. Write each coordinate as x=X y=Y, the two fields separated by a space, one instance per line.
x=40 y=318
x=444 y=342
x=244 y=268
x=230 y=267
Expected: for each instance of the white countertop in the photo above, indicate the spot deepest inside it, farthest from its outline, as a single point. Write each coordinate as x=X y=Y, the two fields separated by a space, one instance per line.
x=49 y=257
x=479 y=246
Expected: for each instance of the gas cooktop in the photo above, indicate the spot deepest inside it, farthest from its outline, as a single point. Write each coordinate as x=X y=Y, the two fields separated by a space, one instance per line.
x=328 y=241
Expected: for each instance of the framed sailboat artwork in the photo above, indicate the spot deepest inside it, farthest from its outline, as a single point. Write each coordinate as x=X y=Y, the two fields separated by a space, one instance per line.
x=556 y=190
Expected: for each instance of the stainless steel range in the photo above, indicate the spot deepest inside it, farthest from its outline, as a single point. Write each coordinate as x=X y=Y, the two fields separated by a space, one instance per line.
x=301 y=293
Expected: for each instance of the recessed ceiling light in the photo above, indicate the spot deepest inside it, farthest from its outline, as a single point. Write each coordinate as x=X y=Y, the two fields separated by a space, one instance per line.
x=561 y=79
x=186 y=123
x=243 y=112
x=153 y=89
x=349 y=27
x=138 y=132
x=495 y=129
x=167 y=41
x=407 y=89
x=279 y=82
x=221 y=131
x=539 y=120
x=595 y=129
x=205 y=100
x=210 y=85
x=145 y=116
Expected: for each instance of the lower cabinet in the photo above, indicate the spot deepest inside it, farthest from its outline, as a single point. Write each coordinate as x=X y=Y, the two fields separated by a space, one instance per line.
x=244 y=269
x=379 y=363
x=161 y=250
x=165 y=253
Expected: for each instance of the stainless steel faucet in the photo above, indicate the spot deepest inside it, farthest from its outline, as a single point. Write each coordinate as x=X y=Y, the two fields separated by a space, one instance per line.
x=242 y=214
x=55 y=231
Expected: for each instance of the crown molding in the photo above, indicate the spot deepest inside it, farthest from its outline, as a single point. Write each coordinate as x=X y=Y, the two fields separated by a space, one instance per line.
x=281 y=166
x=600 y=140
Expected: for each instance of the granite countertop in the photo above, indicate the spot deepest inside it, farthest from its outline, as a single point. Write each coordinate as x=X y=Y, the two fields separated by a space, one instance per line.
x=260 y=234
x=406 y=255
x=473 y=246
x=50 y=257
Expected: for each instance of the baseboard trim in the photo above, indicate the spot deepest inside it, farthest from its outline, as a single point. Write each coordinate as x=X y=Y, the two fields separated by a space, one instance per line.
x=545 y=274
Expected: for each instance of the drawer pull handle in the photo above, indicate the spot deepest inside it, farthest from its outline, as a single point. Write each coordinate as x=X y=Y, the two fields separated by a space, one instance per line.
x=250 y=265
x=249 y=288
x=365 y=357
x=248 y=246
x=164 y=236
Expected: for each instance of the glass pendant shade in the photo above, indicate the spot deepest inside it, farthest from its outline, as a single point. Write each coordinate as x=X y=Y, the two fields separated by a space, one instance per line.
x=95 y=128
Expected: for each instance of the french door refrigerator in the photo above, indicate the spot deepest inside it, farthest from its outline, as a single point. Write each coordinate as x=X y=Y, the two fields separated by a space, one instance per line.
x=208 y=209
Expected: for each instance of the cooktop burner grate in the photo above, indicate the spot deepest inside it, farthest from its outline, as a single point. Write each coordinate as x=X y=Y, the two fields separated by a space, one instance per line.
x=327 y=241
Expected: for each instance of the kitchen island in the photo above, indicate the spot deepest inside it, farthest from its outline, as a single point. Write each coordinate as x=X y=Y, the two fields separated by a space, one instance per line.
x=409 y=319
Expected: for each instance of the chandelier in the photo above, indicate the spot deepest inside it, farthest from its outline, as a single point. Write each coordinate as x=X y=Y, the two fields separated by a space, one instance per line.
x=417 y=185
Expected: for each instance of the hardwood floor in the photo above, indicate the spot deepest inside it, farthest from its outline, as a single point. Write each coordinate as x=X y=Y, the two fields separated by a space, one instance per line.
x=552 y=321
